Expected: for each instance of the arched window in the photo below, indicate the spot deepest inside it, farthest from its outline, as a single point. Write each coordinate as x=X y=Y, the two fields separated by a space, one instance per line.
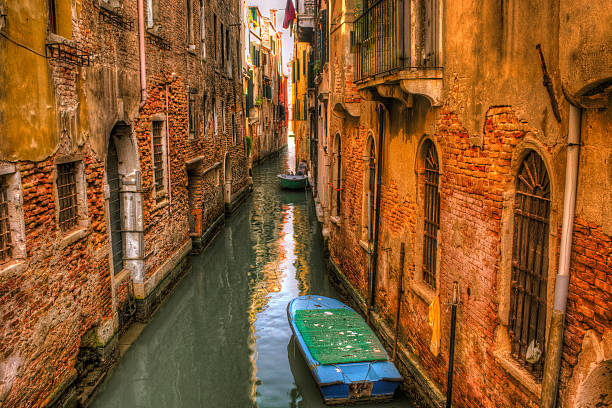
x=337 y=185
x=370 y=188
x=530 y=263
x=431 y=211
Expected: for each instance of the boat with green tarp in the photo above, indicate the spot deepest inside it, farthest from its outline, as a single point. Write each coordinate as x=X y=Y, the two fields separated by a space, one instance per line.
x=346 y=359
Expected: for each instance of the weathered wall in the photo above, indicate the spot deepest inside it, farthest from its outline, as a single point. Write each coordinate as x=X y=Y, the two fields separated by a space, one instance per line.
x=494 y=109
x=61 y=294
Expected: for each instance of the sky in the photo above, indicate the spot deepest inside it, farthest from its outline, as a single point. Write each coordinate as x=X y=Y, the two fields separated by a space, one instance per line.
x=264 y=8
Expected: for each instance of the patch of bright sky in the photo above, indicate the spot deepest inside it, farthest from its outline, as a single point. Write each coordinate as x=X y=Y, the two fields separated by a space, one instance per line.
x=264 y=8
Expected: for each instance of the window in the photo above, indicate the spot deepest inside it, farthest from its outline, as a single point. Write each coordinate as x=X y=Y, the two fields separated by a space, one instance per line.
x=431 y=212
x=5 y=228
x=222 y=55
x=158 y=155
x=52 y=21
x=529 y=262
x=203 y=29
x=298 y=69
x=189 y=23
x=370 y=184
x=152 y=13
x=214 y=114
x=304 y=62
x=337 y=185
x=223 y=116
x=67 y=195
x=12 y=228
x=227 y=45
x=215 y=36
x=191 y=113
x=234 y=134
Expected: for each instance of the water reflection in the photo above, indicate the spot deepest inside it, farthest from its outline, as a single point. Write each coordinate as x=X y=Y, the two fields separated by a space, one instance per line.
x=222 y=339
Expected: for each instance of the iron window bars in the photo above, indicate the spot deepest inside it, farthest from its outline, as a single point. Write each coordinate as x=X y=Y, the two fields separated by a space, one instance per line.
x=5 y=228
x=158 y=41
x=68 y=53
x=530 y=264
x=67 y=195
x=158 y=166
x=381 y=39
x=116 y=17
x=431 y=224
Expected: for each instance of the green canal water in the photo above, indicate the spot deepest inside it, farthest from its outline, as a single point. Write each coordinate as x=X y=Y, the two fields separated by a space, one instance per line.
x=222 y=338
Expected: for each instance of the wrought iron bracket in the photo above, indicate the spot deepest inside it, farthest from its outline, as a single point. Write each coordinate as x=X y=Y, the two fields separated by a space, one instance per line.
x=67 y=52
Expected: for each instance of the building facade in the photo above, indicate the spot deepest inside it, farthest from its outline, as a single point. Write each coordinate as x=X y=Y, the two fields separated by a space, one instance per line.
x=452 y=144
x=123 y=147
x=266 y=88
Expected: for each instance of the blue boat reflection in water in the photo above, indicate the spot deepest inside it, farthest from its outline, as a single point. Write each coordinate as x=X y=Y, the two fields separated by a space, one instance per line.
x=221 y=339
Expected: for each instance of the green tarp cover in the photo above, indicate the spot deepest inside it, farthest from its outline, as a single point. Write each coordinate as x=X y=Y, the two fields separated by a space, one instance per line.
x=336 y=336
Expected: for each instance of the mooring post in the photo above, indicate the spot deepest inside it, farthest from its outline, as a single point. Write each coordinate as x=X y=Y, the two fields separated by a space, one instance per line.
x=451 y=347
x=400 y=292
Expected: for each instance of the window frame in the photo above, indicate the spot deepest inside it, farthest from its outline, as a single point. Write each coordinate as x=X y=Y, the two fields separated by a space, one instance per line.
x=16 y=222
x=82 y=221
x=159 y=189
x=524 y=250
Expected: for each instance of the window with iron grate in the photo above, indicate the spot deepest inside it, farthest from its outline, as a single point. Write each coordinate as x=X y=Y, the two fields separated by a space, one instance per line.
x=431 y=212
x=338 y=179
x=5 y=228
x=158 y=155
x=530 y=264
x=67 y=195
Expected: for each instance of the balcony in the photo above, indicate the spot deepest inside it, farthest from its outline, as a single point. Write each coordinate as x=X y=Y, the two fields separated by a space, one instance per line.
x=395 y=43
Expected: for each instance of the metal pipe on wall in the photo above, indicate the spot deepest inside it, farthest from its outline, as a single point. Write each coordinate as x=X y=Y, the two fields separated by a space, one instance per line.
x=141 y=51
x=554 y=349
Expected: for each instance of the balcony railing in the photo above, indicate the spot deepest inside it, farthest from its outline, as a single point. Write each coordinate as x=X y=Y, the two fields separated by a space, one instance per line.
x=382 y=39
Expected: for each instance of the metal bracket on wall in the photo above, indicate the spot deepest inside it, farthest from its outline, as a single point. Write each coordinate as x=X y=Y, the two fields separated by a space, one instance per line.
x=116 y=17
x=549 y=85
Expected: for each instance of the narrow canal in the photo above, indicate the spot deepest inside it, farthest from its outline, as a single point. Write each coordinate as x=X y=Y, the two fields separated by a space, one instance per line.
x=222 y=338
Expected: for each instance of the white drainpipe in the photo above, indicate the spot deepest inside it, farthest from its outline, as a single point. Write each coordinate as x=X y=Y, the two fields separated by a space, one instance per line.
x=554 y=349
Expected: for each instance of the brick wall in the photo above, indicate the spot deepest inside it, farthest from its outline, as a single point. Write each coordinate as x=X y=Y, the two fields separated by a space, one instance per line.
x=472 y=184
x=64 y=288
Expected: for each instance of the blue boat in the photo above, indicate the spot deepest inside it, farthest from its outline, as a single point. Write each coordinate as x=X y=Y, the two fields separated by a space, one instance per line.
x=346 y=359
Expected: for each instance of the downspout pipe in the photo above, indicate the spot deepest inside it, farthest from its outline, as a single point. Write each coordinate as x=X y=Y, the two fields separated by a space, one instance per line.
x=554 y=349
x=141 y=52
x=379 y=168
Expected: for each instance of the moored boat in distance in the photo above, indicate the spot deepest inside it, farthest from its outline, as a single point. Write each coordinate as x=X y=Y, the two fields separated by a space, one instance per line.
x=293 y=181
x=346 y=359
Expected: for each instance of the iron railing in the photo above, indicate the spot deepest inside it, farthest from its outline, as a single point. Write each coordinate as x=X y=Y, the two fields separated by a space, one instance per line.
x=383 y=40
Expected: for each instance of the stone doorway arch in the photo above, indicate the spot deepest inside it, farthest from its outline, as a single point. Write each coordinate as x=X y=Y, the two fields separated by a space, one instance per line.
x=123 y=193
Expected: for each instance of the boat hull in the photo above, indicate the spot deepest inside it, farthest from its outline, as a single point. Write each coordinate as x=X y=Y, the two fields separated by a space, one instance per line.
x=345 y=383
x=292 y=182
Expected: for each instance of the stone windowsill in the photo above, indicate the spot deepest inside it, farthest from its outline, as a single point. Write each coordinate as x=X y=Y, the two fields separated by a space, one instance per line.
x=335 y=220
x=423 y=291
x=73 y=236
x=366 y=246
x=191 y=49
x=12 y=268
x=519 y=373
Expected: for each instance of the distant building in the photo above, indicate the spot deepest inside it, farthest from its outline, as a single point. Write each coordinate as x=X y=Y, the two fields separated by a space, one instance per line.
x=266 y=100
